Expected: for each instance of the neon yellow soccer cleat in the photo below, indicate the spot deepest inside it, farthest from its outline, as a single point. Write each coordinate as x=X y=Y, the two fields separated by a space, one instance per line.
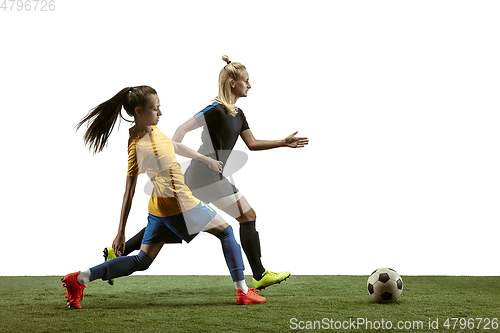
x=270 y=278
x=108 y=255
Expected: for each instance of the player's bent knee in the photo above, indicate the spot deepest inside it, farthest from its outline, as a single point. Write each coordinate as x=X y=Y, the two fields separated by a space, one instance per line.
x=216 y=225
x=142 y=261
x=248 y=216
x=216 y=230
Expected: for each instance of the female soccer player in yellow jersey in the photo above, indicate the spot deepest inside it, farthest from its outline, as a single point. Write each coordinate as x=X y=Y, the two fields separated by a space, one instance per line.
x=222 y=124
x=174 y=213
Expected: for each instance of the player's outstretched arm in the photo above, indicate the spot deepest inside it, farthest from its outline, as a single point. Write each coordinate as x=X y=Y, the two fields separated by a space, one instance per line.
x=181 y=131
x=119 y=242
x=290 y=141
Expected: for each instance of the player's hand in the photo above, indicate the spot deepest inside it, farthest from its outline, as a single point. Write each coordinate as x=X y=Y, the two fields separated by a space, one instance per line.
x=119 y=245
x=296 y=142
x=214 y=164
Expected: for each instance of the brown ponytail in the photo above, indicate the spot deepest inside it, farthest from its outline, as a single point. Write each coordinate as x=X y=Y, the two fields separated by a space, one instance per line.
x=101 y=119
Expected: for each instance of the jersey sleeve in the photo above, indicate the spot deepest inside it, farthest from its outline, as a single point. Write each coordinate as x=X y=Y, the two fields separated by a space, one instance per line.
x=244 y=125
x=138 y=160
x=208 y=116
x=133 y=166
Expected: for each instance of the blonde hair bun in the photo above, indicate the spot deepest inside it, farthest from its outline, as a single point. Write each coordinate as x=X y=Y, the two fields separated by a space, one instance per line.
x=226 y=58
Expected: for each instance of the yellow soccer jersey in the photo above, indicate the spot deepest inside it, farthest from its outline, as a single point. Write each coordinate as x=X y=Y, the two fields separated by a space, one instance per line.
x=155 y=152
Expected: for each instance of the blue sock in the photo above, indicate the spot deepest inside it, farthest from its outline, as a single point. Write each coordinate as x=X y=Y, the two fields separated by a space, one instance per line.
x=121 y=266
x=232 y=253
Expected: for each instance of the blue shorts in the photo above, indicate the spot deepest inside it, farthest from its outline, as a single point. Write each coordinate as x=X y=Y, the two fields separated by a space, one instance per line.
x=172 y=229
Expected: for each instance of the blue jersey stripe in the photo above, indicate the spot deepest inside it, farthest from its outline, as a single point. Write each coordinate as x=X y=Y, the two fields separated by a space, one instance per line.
x=206 y=109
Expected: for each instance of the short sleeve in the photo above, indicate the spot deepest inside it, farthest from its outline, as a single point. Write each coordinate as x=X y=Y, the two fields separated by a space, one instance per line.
x=244 y=124
x=133 y=166
x=208 y=116
x=138 y=160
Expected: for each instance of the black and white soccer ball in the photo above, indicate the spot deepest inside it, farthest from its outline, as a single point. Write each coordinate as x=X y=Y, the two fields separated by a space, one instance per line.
x=385 y=285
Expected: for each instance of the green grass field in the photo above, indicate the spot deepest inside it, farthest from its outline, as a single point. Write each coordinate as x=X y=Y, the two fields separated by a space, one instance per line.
x=208 y=304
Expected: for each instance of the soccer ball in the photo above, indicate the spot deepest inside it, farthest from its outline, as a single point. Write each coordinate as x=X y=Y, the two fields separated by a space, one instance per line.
x=385 y=285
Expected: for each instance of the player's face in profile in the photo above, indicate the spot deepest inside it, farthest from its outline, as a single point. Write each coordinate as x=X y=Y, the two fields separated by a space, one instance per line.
x=151 y=111
x=242 y=85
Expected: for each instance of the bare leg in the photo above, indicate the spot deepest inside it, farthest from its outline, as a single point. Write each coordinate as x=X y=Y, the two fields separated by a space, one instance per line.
x=152 y=250
x=216 y=225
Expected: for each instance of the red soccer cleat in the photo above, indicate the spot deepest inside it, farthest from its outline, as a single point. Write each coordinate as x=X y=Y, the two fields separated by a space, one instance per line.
x=252 y=297
x=74 y=290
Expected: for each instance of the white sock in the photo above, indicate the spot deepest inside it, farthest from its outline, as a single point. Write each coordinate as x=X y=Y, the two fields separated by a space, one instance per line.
x=241 y=285
x=84 y=277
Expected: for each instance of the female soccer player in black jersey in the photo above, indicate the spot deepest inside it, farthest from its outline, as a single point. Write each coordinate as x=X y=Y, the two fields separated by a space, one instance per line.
x=222 y=124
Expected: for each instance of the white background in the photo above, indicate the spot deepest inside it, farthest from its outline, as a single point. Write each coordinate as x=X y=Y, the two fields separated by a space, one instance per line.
x=400 y=101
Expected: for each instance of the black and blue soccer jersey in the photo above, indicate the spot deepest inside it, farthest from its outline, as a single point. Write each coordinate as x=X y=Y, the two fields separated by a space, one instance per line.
x=220 y=133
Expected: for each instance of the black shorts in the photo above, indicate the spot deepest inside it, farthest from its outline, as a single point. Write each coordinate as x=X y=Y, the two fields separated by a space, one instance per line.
x=208 y=185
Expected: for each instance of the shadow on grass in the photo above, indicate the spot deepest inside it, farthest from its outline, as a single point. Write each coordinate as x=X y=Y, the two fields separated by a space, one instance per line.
x=163 y=299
